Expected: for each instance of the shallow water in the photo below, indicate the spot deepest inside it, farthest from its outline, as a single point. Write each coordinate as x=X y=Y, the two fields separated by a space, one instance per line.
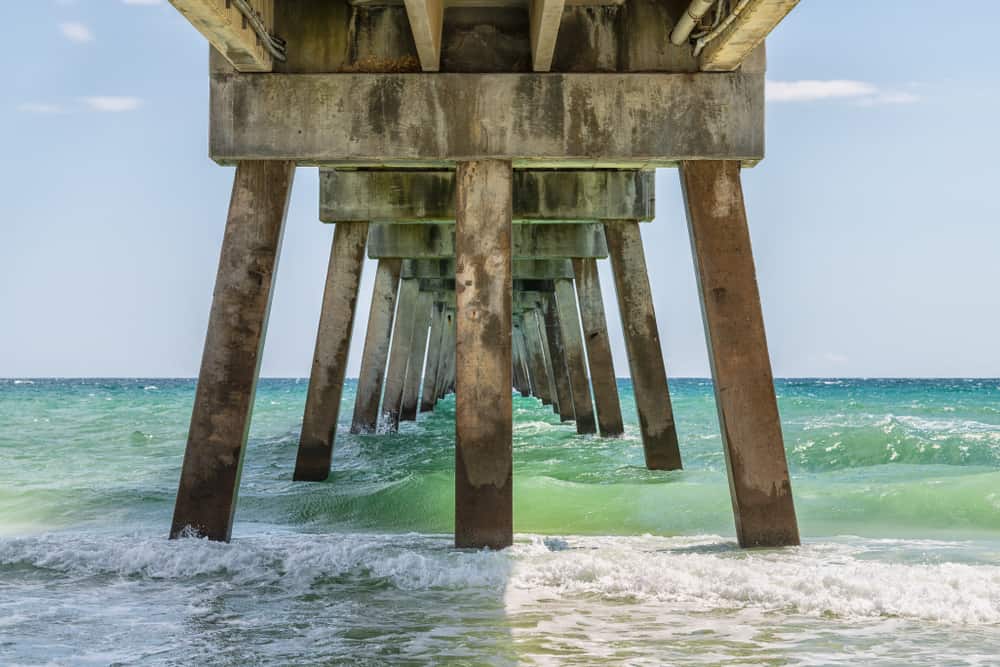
x=897 y=488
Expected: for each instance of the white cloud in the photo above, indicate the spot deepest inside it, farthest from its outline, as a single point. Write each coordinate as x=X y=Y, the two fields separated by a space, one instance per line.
x=142 y=2
x=39 y=108
x=113 y=104
x=76 y=32
x=812 y=90
x=891 y=97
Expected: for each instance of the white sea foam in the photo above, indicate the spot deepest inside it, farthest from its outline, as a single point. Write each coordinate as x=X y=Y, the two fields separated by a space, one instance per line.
x=825 y=579
x=289 y=560
x=843 y=580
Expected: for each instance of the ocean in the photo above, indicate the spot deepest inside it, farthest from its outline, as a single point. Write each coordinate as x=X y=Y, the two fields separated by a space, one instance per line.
x=896 y=483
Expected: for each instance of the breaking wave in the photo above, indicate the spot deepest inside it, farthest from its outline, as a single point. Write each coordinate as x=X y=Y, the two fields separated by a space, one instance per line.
x=696 y=574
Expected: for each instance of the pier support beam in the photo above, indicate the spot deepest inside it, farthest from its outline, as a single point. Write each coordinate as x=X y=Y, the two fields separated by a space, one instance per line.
x=563 y=403
x=446 y=362
x=576 y=362
x=642 y=343
x=227 y=382
x=333 y=342
x=741 y=368
x=595 y=335
x=415 y=365
x=483 y=402
x=522 y=373
x=427 y=395
x=543 y=341
x=399 y=354
x=536 y=357
x=376 y=349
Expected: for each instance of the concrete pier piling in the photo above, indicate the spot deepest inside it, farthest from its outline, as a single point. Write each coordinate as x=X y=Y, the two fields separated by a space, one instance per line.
x=536 y=357
x=446 y=368
x=399 y=354
x=576 y=361
x=427 y=395
x=642 y=343
x=538 y=314
x=227 y=382
x=741 y=368
x=376 y=350
x=522 y=373
x=595 y=335
x=333 y=341
x=483 y=404
x=415 y=364
x=563 y=405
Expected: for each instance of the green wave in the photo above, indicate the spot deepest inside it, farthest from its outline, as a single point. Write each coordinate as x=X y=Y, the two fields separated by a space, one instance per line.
x=874 y=458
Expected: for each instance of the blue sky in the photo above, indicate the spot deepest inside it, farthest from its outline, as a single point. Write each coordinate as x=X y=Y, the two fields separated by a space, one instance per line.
x=875 y=218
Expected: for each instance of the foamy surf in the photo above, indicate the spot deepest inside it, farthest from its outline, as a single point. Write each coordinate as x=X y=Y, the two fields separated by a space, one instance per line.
x=328 y=573
x=848 y=580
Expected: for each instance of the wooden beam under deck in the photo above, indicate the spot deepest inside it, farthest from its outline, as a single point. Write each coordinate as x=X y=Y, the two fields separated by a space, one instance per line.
x=222 y=24
x=517 y=4
x=545 y=17
x=747 y=31
x=426 y=22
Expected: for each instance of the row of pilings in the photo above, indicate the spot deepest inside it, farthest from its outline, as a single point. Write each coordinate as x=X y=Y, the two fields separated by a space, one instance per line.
x=487 y=279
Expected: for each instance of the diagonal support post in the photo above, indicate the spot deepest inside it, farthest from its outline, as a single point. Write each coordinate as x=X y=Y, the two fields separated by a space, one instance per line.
x=227 y=382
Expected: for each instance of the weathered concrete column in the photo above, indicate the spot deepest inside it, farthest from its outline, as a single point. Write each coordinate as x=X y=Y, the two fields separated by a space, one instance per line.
x=520 y=381
x=483 y=403
x=515 y=371
x=427 y=395
x=595 y=335
x=376 y=350
x=516 y=378
x=446 y=349
x=415 y=365
x=399 y=354
x=536 y=358
x=526 y=366
x=333 y=342
x=543 y=341
x=453 y=358
x=563 y=405
x=576 y=362
x=227 y=382
x=741 y=368
x=446 y=368
x=642 y=343
x=521 y=372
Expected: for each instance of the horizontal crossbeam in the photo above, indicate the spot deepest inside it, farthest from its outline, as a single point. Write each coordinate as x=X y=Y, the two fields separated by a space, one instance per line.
x=527 y=294
x=522 y=268
x=529 y=299
x=541 y=241
x=564 y=120
x=539 y=195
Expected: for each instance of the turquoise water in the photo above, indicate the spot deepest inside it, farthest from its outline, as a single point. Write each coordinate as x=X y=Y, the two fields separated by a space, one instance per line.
x=897 y=487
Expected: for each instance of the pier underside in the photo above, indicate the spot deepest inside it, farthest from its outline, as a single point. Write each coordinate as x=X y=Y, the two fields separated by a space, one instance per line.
x=488 y=155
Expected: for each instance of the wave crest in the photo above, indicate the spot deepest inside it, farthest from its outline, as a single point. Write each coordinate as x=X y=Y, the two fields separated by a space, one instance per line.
x=691 y=574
